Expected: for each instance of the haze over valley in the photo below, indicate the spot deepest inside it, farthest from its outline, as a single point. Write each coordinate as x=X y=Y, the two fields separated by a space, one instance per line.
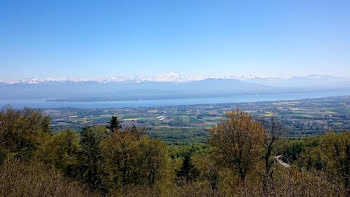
x=170 y=88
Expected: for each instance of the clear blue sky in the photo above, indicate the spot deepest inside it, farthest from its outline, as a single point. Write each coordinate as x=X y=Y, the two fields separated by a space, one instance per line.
x=92 y=38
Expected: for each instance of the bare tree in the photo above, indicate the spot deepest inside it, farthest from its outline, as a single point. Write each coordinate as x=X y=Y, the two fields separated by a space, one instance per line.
x=273 y=129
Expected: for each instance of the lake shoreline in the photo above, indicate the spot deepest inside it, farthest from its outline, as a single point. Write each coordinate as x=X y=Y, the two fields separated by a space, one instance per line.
x=44 y=104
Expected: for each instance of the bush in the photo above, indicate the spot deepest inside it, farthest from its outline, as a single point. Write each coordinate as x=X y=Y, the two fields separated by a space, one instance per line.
x=35 y=179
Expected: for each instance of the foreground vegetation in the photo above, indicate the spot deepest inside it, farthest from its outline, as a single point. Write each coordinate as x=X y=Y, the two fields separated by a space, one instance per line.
x=238 y=160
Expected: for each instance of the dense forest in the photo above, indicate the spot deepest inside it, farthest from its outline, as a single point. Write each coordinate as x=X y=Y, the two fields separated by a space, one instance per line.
x=243 y=157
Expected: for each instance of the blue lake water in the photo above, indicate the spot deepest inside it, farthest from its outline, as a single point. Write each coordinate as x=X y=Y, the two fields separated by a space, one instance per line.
x=42 y=103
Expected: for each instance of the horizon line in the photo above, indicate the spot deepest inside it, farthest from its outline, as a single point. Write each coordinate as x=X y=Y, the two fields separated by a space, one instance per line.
x=166 y=77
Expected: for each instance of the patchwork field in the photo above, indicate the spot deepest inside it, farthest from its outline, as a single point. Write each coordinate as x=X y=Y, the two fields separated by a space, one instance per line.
x=191 y=123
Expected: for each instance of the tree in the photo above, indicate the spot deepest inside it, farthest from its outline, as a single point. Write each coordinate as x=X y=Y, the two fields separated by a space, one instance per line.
x=114 y=124
x=132 y=159
x=336 y=156
x=208 y=171
x=62 y=151
x=119 y=151
x=91 y=160
x=153 y=161
x=188 y=172
x=22 y=132
x=237 y=143
x=273 y=130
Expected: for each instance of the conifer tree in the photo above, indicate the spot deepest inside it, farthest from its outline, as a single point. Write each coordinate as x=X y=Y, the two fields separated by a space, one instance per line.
x=114 y=124
x=91 y=158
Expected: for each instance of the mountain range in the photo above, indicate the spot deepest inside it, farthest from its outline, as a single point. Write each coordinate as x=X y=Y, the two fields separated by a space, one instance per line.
x=166 y=89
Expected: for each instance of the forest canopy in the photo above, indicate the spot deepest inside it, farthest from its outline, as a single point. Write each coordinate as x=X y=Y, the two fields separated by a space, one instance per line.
x=243 y=157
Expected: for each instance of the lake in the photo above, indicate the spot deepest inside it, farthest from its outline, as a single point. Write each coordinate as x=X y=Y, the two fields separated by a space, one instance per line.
x=42 y=103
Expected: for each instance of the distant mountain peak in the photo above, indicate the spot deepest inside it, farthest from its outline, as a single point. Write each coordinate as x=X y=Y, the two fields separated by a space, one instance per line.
x=170 y=76
x=253 y=76
x=30 y=80
x=249 y=76
x=175 y=77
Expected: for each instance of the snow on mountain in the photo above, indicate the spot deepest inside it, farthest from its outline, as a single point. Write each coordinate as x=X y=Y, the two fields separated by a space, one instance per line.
x=297 y=81
x=166 y=86
x=167 y=77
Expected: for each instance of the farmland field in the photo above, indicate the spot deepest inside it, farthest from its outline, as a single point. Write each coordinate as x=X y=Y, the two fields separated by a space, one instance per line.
x=190 y=123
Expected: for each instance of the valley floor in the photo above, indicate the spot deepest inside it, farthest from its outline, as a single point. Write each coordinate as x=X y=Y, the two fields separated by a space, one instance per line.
x=189 y=123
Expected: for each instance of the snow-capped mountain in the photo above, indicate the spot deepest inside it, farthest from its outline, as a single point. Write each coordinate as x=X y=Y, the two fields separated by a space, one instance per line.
x=169 y=85
x=311 y=81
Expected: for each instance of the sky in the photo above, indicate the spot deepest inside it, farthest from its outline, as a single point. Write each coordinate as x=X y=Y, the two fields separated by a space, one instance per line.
x=76 y=39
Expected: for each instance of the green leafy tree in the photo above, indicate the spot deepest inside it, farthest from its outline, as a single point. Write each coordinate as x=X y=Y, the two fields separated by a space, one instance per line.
x=132 y=159
x=237 y=143
x=22 y=132
x=62 y=151
x=120 y=151
x=208 y=171
x=153 y=162
x=91 y=160
x=188 y=172
x=336 y=155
